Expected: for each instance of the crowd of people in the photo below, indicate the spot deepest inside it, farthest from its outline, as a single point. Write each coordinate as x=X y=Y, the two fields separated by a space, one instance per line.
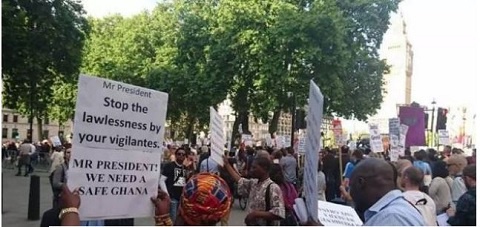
x=413 y=190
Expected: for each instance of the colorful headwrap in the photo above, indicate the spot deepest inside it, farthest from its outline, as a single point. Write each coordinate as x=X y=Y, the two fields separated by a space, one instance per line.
x=206 y=198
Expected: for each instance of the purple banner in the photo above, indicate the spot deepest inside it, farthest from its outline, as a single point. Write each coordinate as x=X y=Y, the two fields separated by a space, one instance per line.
x=414 y=117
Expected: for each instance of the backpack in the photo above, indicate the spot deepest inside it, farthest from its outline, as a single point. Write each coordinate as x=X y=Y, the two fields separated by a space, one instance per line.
x=290 y=218
x=429 y=217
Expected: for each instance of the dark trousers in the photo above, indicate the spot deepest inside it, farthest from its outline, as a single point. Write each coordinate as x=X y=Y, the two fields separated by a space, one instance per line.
x=24 y=161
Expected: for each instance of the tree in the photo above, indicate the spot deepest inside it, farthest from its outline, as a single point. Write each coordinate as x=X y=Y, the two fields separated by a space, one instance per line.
x=42 y=44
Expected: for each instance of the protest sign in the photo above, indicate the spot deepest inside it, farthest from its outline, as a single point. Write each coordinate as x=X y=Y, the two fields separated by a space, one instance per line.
x=279 y=141
x=394 y=148
x=217 y=136
x=312 y=147
x=394 y=126
x=56 y=141
x=376 y=143
x=247 y=140
x=443 y=137
x=117 y=146
x=301 y=145
x=331 y=214
x=402 y=139
x=338 y=132
x=287 y=141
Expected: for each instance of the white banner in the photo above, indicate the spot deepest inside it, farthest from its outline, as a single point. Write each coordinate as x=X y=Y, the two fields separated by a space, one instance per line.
x=217 y=137
x=376 y=144
x=312 y=147
x=331 y=214
x=443 y=137
x=247 y=140
x=117 y=146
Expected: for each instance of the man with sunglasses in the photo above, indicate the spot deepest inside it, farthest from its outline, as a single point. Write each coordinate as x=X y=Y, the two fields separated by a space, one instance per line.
x=455 y=165
x=176 y=174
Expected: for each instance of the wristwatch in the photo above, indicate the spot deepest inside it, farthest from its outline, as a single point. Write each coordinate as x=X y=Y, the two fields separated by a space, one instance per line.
x=66 y=211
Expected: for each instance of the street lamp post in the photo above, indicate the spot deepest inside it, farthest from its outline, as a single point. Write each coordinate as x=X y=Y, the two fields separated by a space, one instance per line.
x=293 y=114
x=431 y=124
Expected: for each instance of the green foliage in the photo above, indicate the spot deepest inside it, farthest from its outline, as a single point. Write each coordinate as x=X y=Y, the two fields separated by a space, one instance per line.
x=254 y=52
x=42 y=45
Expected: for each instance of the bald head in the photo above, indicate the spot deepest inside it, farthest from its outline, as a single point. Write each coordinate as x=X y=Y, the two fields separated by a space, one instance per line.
x=371 y=180
x=374 y=168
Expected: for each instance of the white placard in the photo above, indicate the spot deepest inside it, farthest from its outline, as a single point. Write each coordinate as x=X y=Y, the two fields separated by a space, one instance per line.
x=312 y=147
x=443 y=137
x=301 y=145
x=394 y=148
x=56 y=141
x=287 y=141
x=247 y=140
x=376 y=144
x=331 y=214
x=279 y=142
x=269 y=141
x=117 y=147
x=394 y=126
x=217 y=136
x=402 y=139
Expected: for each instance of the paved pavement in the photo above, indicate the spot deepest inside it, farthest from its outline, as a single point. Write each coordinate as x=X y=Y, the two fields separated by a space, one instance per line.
x=15 y=191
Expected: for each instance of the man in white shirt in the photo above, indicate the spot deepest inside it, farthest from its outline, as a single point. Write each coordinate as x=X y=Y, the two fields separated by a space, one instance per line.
x=25 y=150
x=412 y=180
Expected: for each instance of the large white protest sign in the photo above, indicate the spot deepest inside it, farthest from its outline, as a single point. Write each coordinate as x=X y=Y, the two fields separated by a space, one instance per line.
x=117 y=146
x=217 y=136
x=331 y=214
x=312 y=147
x=443 y=137
x=376 y=144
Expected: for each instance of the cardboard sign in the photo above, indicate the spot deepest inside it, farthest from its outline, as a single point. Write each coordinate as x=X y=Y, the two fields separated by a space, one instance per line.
x=312 y=147
x=338 y=133
x=117 y=147
x=443 y=137
x=217 y=136
x=376 y=143
x=331 y=214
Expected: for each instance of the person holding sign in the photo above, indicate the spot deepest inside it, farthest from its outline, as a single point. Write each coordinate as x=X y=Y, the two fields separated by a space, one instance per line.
x=265 y=201
x=379 y=203
x=176 y=174
x=204 y=201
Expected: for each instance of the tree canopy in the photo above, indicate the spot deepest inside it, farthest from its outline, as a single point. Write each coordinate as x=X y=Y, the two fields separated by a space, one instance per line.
x=202 y=52
x=42 y=46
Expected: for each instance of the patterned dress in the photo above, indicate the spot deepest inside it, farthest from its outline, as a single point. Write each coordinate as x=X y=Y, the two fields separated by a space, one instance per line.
x=256 y=192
